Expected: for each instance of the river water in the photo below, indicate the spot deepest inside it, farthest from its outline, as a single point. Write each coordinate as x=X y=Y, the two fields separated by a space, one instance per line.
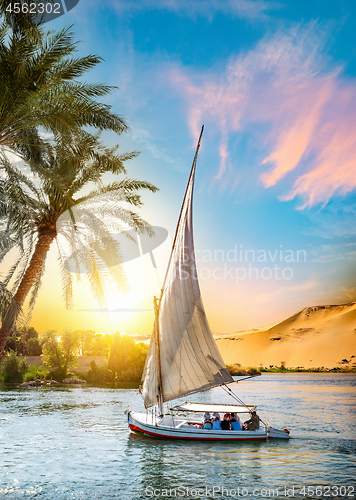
x=73 y=443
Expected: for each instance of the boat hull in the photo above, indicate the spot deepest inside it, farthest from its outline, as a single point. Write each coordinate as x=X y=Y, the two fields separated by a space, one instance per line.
x=146 y=424
x=278 y=433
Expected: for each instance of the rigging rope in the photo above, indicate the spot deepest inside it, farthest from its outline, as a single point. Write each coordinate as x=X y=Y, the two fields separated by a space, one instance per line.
x=130 y=403
x=233 y=395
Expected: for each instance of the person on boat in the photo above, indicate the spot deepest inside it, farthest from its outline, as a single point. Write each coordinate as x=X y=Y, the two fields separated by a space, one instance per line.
x=235 y=423
x=237 y=418
x=216 y=415
x=206 y=415
x=208 y=424
x=217 y=424
x=225 y=424
x=253 y=423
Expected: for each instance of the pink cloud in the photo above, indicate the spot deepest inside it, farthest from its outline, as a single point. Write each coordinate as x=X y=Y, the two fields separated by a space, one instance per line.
x=309 y=112
x=335 y=164
x=299 y=127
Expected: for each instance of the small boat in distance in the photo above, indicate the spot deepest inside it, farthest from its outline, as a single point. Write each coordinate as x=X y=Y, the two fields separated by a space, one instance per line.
x=183 y=357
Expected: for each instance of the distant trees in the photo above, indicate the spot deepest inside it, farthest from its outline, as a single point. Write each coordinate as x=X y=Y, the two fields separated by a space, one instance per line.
x=13 y=368
x=99 y=374
x=60 y=350
x=24 y=341
x=126 y=358
x=94 y=344
x=85 y=340
x=34 y=347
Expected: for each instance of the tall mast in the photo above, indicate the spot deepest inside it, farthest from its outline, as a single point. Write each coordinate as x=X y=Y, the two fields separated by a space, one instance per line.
x=181 y=210
x=157 y=302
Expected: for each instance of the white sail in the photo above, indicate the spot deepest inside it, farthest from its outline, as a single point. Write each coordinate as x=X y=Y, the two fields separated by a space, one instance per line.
x=183 y=357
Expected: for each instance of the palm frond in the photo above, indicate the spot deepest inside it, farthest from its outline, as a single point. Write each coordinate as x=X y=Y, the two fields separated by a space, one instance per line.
x=67 y=287
x=39 y=87
x=119 y=189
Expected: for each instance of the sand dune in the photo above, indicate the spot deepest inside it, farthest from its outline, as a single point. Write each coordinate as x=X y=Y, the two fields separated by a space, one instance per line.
x=314 y=337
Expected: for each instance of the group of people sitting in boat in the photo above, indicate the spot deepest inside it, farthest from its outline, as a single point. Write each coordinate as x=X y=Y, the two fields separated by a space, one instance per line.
x=230 y=421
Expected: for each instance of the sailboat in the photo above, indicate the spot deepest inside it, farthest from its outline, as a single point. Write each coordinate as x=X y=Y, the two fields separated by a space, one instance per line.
x=183 y=357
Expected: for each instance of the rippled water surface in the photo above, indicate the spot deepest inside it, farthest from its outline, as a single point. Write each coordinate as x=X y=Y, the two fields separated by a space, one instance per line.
x=73 y=443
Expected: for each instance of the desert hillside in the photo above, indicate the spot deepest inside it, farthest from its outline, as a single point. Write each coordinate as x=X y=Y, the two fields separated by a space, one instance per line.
x=314 y=337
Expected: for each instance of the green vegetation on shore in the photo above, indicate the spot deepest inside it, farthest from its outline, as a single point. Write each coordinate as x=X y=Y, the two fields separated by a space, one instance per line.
x=238 y=371
x=15 y=368
x=299 y=369
x=126 y=361
x=27 y=342
x=125 y=358
x=24 y=342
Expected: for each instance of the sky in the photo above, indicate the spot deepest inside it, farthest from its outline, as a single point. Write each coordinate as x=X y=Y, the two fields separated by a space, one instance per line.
x=274 y=83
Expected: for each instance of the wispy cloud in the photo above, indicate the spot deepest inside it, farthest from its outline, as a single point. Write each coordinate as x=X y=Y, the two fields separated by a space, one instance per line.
x=345 y=293
x=337 y=219
x=307 y=110
x=243 y=9
x=331 y=253
x=144 y=137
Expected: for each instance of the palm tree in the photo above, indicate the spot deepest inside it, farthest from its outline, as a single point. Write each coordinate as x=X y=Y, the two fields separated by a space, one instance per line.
x=40 y=86
x=57 y=205
x=12 y=186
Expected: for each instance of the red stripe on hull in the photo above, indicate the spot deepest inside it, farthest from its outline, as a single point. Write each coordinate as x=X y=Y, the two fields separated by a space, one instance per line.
x=137 y=429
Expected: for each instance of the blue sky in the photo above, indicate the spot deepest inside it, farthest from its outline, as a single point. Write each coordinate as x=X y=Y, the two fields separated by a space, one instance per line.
x=274 y=84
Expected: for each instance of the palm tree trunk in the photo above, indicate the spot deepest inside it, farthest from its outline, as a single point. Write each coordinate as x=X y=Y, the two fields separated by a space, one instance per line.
x=45 y=237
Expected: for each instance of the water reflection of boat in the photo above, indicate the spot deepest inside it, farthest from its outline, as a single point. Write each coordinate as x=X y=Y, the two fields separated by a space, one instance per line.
x=183 y=358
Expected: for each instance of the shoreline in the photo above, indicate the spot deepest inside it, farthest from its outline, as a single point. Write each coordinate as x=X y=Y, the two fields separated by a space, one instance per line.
x=253 y=372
